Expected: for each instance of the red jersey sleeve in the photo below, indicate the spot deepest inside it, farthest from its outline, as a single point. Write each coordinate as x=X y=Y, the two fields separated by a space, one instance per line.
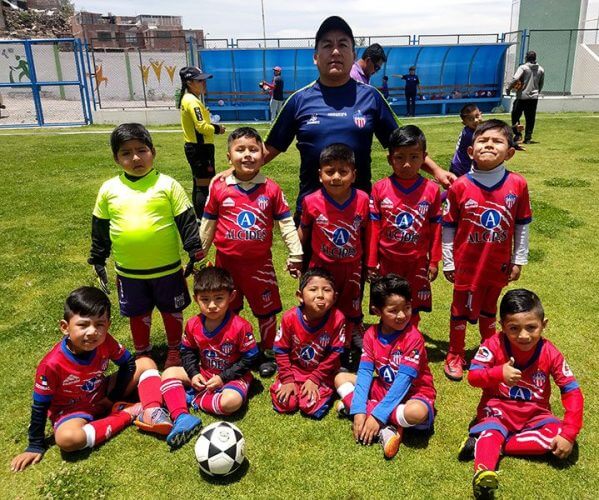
x=116 y=350
x=486 y=370
x=282 y=348
x=524 y=211
x=451 y=212
x=247 y=341
x=435 y=221
x=188 y=339
x=45 y=383
x=213 y=201
x=374 y=229
x=281 y=207
x=412 y=357
x=306 y=219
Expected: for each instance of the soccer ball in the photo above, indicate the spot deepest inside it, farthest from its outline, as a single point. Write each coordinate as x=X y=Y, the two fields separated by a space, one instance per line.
x=220 y=449
x=221 y=102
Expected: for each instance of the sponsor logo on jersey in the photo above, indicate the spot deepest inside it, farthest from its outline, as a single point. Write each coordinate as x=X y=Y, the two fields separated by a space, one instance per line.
x=246 y=219
x=44 y=381
x=566 y=370
x=470 y=203
x=227 y=348
x=321 y=220
x=520 y=393
x=539 y=379
x=404 y=220
x=359 y=119
x=386 y=203
x=71 y=380
x=307 y=353
x=423 y=207
x=313 y=120
x=484 y=355
x=228 y=202
x=510 y=200
x=387 y=374
x=340 y=237
x=89 y=385
x=263 y=202
x=414 y=356
x=490 y=218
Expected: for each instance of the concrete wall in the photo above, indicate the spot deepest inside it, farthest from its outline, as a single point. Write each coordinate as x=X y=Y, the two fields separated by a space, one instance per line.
x=585 y=77
x=562 y=104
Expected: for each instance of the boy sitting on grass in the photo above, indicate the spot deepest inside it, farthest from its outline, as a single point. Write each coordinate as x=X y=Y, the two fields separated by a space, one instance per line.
x=514 y=416
x=308 y=348
x=402 y=394
x=71 y=386
x=218 y=350
x=239 y=217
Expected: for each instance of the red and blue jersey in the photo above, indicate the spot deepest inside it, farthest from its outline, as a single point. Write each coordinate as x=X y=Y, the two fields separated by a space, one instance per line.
x=530 y=396
x=318 y=115
x=66 y=380
x=220 y=348
x=336 y=230
x=485 y=221
x=304 y=351
x=405 y=217
x=245 y=219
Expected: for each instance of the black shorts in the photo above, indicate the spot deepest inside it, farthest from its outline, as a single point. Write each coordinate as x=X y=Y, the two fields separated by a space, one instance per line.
x=201 y=159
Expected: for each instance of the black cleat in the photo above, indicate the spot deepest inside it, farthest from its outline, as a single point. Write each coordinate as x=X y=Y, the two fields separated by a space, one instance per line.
x=267 y=369
x=466 y=451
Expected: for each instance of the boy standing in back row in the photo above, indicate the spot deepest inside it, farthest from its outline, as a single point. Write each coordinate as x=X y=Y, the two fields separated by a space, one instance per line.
x=485 y=237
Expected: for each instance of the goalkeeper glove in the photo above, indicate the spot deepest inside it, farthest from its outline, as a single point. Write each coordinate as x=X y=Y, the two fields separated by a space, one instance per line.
x=197 y=261
x=102 y=277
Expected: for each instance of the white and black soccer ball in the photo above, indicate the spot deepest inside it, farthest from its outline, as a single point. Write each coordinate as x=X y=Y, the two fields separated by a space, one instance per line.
x=220 y=449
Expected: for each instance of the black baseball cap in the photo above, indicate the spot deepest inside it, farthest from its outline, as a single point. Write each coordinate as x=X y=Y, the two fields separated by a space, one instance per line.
x=334 y=23
x=193 y=73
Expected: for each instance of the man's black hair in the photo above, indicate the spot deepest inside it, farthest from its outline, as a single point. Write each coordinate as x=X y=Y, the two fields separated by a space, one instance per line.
x=408 y=135
x=86 y=301
x=521 y=300
x=375 y=53
x=531 y=56
x=128 y=132
x=391 y=284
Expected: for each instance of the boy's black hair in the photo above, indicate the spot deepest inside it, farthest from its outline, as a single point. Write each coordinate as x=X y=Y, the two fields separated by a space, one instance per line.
x=317 y=272
x=384 y=287
x=337 y=152
x=409 y=135
x=212 y=279
x=467 y=109
x=86 y=301
x=240 y=132
x=376 y=53
x=500 y=125
x=521 y=300
x=128 y=132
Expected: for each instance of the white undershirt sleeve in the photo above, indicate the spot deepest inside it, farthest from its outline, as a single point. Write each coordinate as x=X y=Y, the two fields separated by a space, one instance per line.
x=447 y=237
x=207 y=230
x=521 y=235
x=291 y=239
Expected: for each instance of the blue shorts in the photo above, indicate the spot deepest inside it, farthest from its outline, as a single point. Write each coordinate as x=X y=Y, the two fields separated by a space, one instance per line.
x=139 y=296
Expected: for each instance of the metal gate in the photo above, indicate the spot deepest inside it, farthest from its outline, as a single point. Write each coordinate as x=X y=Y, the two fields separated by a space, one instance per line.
x=43 y=83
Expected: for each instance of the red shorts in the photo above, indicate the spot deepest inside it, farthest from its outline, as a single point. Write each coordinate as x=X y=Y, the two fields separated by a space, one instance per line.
x=240 y=385
x=348 y=285
x=316 y=409
x=86 y=410
x=416 y=272
x=257 y=281
x=469 y=305
x=509 y=417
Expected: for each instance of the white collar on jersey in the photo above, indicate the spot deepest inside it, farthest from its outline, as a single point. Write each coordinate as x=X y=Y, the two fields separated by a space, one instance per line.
x=258 y=179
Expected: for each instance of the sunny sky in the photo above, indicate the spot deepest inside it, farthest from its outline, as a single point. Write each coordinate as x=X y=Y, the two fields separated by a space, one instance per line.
x=243 y=19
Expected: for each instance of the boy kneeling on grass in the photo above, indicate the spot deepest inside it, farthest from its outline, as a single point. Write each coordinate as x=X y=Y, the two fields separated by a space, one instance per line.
x=514 y=415
x=71 y=386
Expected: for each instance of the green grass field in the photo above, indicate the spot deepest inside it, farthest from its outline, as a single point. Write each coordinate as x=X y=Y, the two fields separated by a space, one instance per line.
x=50 y=180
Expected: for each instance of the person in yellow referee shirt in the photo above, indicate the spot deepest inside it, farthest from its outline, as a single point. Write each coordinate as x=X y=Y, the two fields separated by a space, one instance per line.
x=198 y=133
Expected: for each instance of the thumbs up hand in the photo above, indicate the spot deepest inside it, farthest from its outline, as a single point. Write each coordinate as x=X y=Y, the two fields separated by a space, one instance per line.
x=511 y=375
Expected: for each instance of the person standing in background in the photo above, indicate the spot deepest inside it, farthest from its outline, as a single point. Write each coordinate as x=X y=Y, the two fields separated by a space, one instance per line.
x=371 y=61
x=412 y=89
x=276 y=92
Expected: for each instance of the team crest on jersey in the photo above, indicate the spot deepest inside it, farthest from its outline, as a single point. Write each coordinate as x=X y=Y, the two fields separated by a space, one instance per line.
x=321 y=220
x=539 y=379
x=404 y=220
x=263 y=202
x=179 y=301
x=424 y=294
x=396 y=357
x=266 y=296
x=423 y=207
x=470 y=203
x=340 y=237
x=324 y=340
x=246 y=219
x=227 y=348
x=566 y=370
x=490 y=218
x=313 y=120
x=386 y=203
x=510 y=200
x=71 y=380
x=359 y=119
x=228 y=202
x=484 y=355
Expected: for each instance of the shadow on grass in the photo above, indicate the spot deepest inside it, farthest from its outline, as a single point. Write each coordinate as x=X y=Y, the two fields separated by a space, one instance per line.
x=415 y=438
x=229 y=479
x=555 y=462
x=437 y=349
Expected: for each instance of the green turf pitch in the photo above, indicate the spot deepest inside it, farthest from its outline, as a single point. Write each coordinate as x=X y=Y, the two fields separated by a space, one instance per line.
x=48 y=185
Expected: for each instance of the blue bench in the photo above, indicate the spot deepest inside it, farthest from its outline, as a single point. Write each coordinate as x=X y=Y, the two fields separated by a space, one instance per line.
x=240 y=112
x=442 y=104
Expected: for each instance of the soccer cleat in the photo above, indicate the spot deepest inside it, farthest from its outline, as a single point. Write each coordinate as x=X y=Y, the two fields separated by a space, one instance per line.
x=155 y=420
x=133 y=409
x=466 y=451
x=518 y=147
x=390 y=439
x=173 y=357
x=484 y=484
x=341 y=409
x=185 y=427
x=454 y=367
x=268 y=368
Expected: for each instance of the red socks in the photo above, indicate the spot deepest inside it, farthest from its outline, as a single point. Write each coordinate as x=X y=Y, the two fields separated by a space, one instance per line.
x=174 y=397
x=101 y=430
x=149 y=389
x=140 y=331
x=457 y=336
x=268 y=331
x=486 y=327
x=210 y=402
x=173 y=325
x=487 y=450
